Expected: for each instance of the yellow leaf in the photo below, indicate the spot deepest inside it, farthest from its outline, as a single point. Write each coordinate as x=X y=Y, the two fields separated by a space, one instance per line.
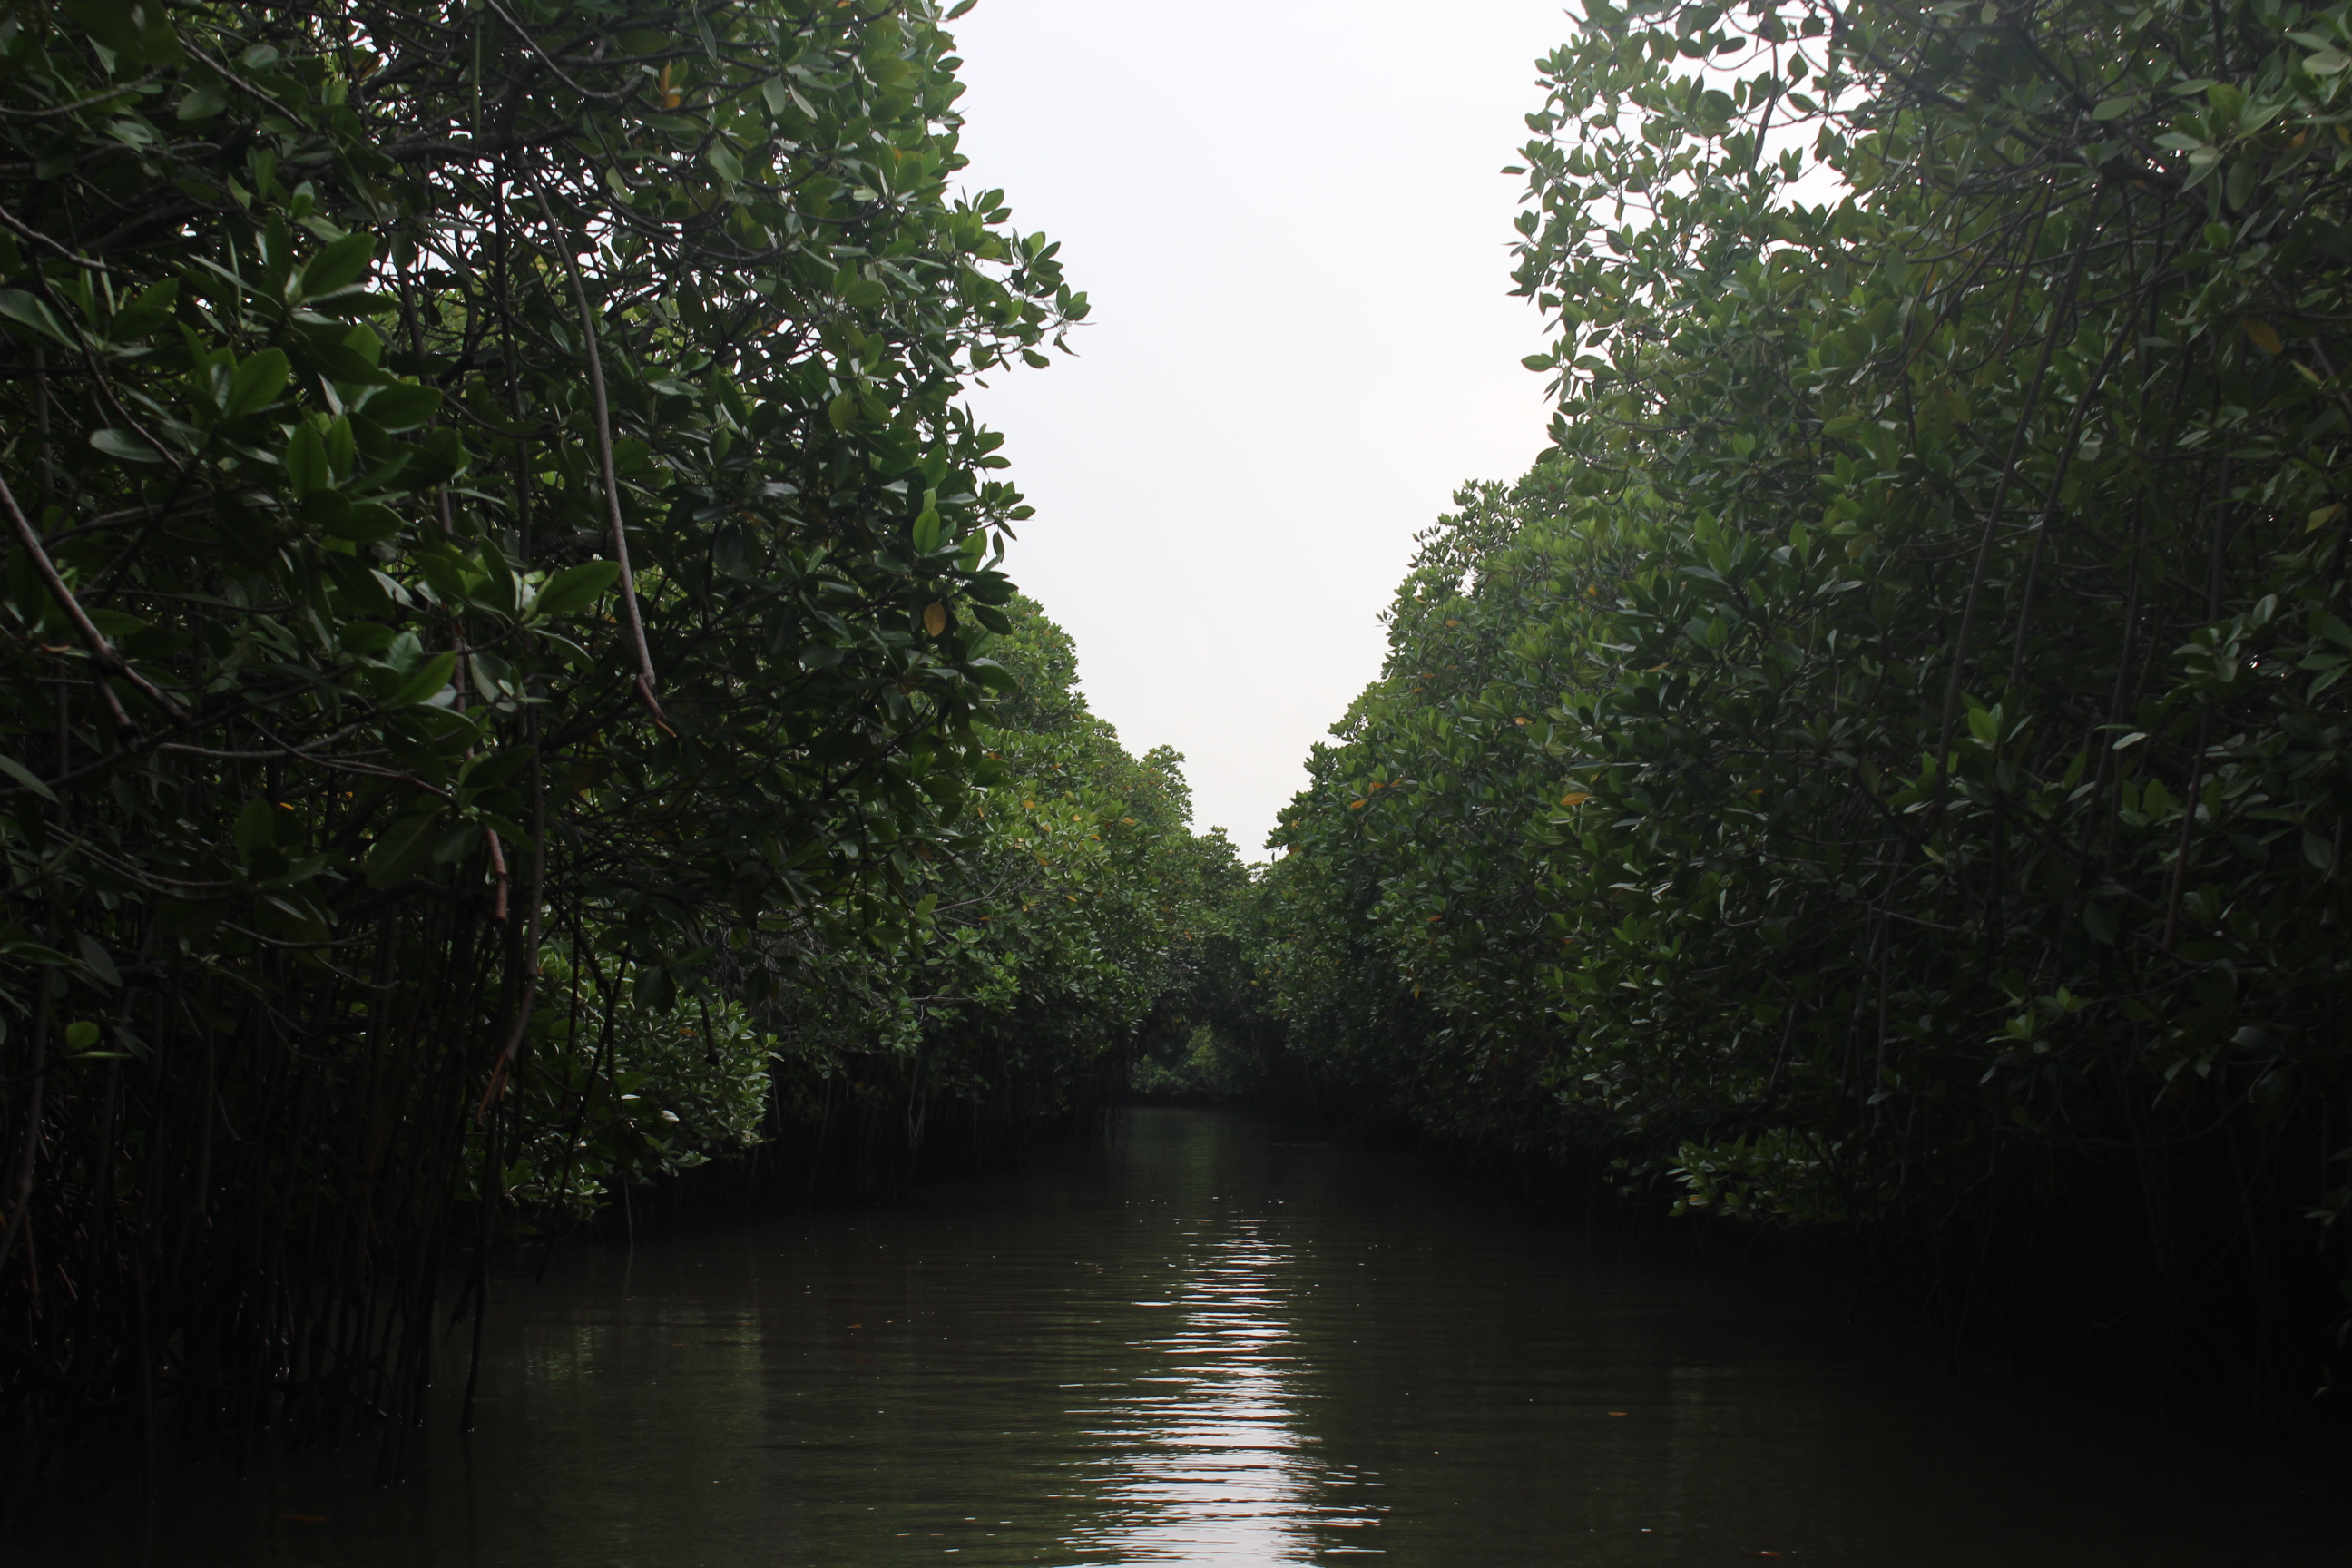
x=935 y=617
x=2265 y=336
x=1355 y=805
x=1574 y=799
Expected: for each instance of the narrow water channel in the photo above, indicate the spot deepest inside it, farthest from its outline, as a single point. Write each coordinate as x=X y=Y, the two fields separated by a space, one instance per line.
x=1216 y=1341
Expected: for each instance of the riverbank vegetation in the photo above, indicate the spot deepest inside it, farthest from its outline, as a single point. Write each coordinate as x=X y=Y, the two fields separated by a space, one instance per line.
x=1882 y=774
x=509 y=689
x=506 y=660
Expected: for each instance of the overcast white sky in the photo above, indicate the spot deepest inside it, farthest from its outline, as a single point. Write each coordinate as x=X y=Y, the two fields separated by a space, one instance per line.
x=1289 y=218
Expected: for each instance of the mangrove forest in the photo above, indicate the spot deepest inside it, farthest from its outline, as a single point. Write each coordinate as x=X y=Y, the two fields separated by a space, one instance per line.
x=519 y=723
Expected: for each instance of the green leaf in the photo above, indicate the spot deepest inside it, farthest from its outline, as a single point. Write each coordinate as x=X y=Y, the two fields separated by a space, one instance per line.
x=430 y=679
x=96 y=960
x=574 y=588
x=342 y=445
x=439 y=459
x=404 y=405
x=338 y=266
x=306 y=460
x=494 y=769
x=25 y=776
x=653 y=988
x=446 y=577
x=404 y=849
x=2100 y=921
x=366 y=639
x=256 y=826
x=456 y=843
x=993 y=674
x=203 y=101
x=366 y=522
x=329 y=509
x=257 y=383
x=2237 y=185
x=138 y=31
x=149 y=309
x=122 y=445
x=34 y=312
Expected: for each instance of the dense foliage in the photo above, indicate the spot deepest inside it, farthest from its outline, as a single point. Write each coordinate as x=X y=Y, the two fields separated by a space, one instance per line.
x=493 y=660
x=1079 y=924
x=1883 y=772
x=1063 y=927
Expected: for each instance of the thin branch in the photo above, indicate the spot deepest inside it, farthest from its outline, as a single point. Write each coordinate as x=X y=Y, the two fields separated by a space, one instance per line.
x=100 y=650
x=93 y=101
x=12 y=221
x=628 y=585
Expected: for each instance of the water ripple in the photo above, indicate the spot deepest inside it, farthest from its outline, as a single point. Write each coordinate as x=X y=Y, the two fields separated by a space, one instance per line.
x=1217 y=1471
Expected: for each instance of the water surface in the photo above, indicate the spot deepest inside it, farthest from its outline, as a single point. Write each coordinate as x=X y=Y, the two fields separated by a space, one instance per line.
x=1214 y=1341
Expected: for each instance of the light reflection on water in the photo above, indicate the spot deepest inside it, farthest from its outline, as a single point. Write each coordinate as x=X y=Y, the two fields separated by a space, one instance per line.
x=1215 y=1342
x=1203 y=1463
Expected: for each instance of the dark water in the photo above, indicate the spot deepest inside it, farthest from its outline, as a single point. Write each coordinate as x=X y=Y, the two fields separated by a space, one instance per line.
x=1216 y=1342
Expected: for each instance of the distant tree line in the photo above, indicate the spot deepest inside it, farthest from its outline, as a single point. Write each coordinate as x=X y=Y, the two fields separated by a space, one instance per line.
x=1884 y=773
